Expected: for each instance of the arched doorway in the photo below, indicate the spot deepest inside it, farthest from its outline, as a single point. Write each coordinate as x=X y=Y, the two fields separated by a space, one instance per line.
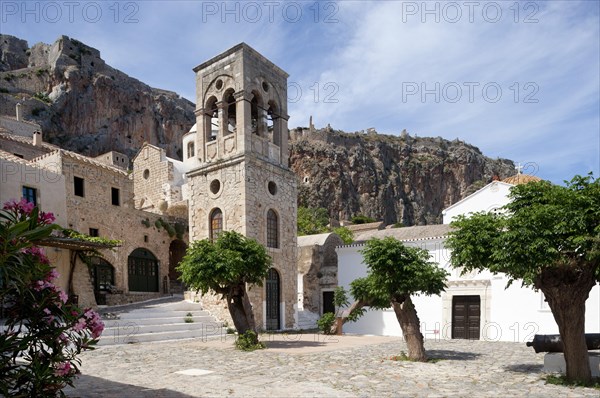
x=103 y=278
x=142 y=271
x=177 y=250
x=273 y=294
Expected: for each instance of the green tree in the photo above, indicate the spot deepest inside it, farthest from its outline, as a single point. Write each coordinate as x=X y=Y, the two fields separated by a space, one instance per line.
x=395 y=272
x=224 y=267
x=312 y=220
x=344 y=233
x=549 y=238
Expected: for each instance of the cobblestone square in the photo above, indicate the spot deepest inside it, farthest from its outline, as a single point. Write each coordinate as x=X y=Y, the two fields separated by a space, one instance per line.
x=309 y=365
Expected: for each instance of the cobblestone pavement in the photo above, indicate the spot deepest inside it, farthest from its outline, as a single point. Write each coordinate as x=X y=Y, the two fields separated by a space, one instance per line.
x=308 y=365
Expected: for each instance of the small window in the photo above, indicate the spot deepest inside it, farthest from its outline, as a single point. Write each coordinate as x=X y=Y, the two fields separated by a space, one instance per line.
x=272 y=230
x=216 y=223
x=78 y=186
x=115 y=196
x=94 y=232
x=190 y=149
x=146 y=238
x=30 y=195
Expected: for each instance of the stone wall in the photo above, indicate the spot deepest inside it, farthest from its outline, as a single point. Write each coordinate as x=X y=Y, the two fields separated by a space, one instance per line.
x=151 y=172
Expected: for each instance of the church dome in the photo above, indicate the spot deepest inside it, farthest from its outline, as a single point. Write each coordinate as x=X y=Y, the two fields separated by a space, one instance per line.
x=521 y=179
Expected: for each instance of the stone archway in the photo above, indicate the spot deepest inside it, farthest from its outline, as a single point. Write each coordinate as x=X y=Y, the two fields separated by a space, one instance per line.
x=177 y=250
x=142 y=271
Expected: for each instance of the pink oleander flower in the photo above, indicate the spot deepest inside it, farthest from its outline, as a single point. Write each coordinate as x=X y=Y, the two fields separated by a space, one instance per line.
x=63 y=369
x=63 y=296
x=47 y=311
x=37 y=252
x=46 y=218
x=52 y=275
x=80 y=325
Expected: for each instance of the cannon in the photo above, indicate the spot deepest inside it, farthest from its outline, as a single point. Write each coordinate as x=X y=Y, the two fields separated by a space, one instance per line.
x=553 y=342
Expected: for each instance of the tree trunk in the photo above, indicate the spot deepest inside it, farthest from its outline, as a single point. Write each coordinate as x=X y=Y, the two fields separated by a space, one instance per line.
x=355 y=306
x=566 y=296
x=411 y=328
x=240 y=310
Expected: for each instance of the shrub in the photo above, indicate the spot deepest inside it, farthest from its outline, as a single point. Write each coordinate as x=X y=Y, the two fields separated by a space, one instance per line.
x=361 y=219
x=249 y=342
x=325 y=323
x=43 y=333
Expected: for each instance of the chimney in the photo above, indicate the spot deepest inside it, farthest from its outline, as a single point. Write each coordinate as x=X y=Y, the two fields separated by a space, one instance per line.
x=19 y=112
x=37 y=138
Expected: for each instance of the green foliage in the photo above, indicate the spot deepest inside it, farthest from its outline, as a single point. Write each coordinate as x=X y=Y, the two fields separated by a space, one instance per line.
x=230 y=330
x=562 y=380
x=362 y=219
x=398 y=225
x=146 y=223
x=230 y=260
x=93 y=239
x=312 y=221
x=249 y=342
x=404 y=357
x=189 y=318
x=544 y=226
x=41 y=72
x=325 y=322
x=3 y=90
x=346 y=234
x=42 y=97
x=396 y=270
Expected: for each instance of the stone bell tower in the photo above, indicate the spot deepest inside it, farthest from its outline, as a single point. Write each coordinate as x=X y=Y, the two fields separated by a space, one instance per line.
x=242 y=181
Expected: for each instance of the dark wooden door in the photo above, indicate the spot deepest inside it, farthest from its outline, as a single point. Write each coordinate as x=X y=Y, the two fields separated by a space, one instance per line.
x=466 y=317
x=142 y=271
x=273 y=293
x=328 y=305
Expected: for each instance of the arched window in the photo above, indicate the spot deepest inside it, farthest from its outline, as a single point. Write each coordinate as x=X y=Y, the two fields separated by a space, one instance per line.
x=256 y=114
x=211 y=119
x=272 y=229
x=230 y=104
x=273 y=123
x=190 y=149
x=216 y=223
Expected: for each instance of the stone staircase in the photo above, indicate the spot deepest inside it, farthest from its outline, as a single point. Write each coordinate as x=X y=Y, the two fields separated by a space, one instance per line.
x=158 y=320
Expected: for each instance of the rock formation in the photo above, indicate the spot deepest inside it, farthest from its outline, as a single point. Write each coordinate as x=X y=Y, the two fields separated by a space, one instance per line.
x=396 y=179
x=84 y=104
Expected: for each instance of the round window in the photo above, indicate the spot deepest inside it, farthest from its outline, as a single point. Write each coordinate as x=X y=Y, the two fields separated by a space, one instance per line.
x=146 y=174
x=219 y=84
x=272 y=188
x=265 y=86
x=215 y=186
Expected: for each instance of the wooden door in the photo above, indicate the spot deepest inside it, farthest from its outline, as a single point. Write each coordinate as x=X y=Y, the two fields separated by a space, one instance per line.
x=466 y=317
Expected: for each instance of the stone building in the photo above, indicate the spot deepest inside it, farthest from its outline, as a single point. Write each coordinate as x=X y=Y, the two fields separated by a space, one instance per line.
x=94 y=196
x=241 y=180
x=317 y=277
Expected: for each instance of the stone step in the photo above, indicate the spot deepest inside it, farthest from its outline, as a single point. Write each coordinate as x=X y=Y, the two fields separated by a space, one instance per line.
x=131 y=336
x=148 y=314
x=134 y=327
x=158 y=320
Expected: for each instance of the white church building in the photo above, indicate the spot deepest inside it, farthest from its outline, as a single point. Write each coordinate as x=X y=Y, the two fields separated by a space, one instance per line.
x=475 y=305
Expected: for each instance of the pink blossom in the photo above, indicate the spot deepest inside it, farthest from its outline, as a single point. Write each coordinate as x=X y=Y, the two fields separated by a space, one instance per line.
x=47 y=311
x=25 y=206
x=46 y=218
x=63 y=369
x=63 y=296
x=80 y=325
x=52 y=275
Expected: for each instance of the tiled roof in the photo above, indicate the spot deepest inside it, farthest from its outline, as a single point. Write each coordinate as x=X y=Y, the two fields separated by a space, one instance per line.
x=421 y=232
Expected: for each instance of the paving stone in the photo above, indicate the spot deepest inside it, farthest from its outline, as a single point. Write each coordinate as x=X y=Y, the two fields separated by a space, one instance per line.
x=350 y=367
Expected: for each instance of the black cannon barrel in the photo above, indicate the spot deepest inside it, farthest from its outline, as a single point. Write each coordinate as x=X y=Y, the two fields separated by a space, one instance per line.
x=553 y=342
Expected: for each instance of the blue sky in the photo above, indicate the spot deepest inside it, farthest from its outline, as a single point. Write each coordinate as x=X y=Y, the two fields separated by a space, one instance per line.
x=519 y=80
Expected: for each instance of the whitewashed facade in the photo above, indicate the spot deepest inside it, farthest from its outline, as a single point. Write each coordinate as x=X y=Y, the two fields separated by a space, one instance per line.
x=498 y=314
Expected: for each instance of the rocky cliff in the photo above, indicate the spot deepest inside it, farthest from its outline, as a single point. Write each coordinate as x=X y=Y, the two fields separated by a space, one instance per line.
x=397 y=179
x=85 y=105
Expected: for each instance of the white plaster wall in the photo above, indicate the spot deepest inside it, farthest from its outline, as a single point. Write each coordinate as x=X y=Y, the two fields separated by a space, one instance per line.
x=493 y=195
x=50 y=187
